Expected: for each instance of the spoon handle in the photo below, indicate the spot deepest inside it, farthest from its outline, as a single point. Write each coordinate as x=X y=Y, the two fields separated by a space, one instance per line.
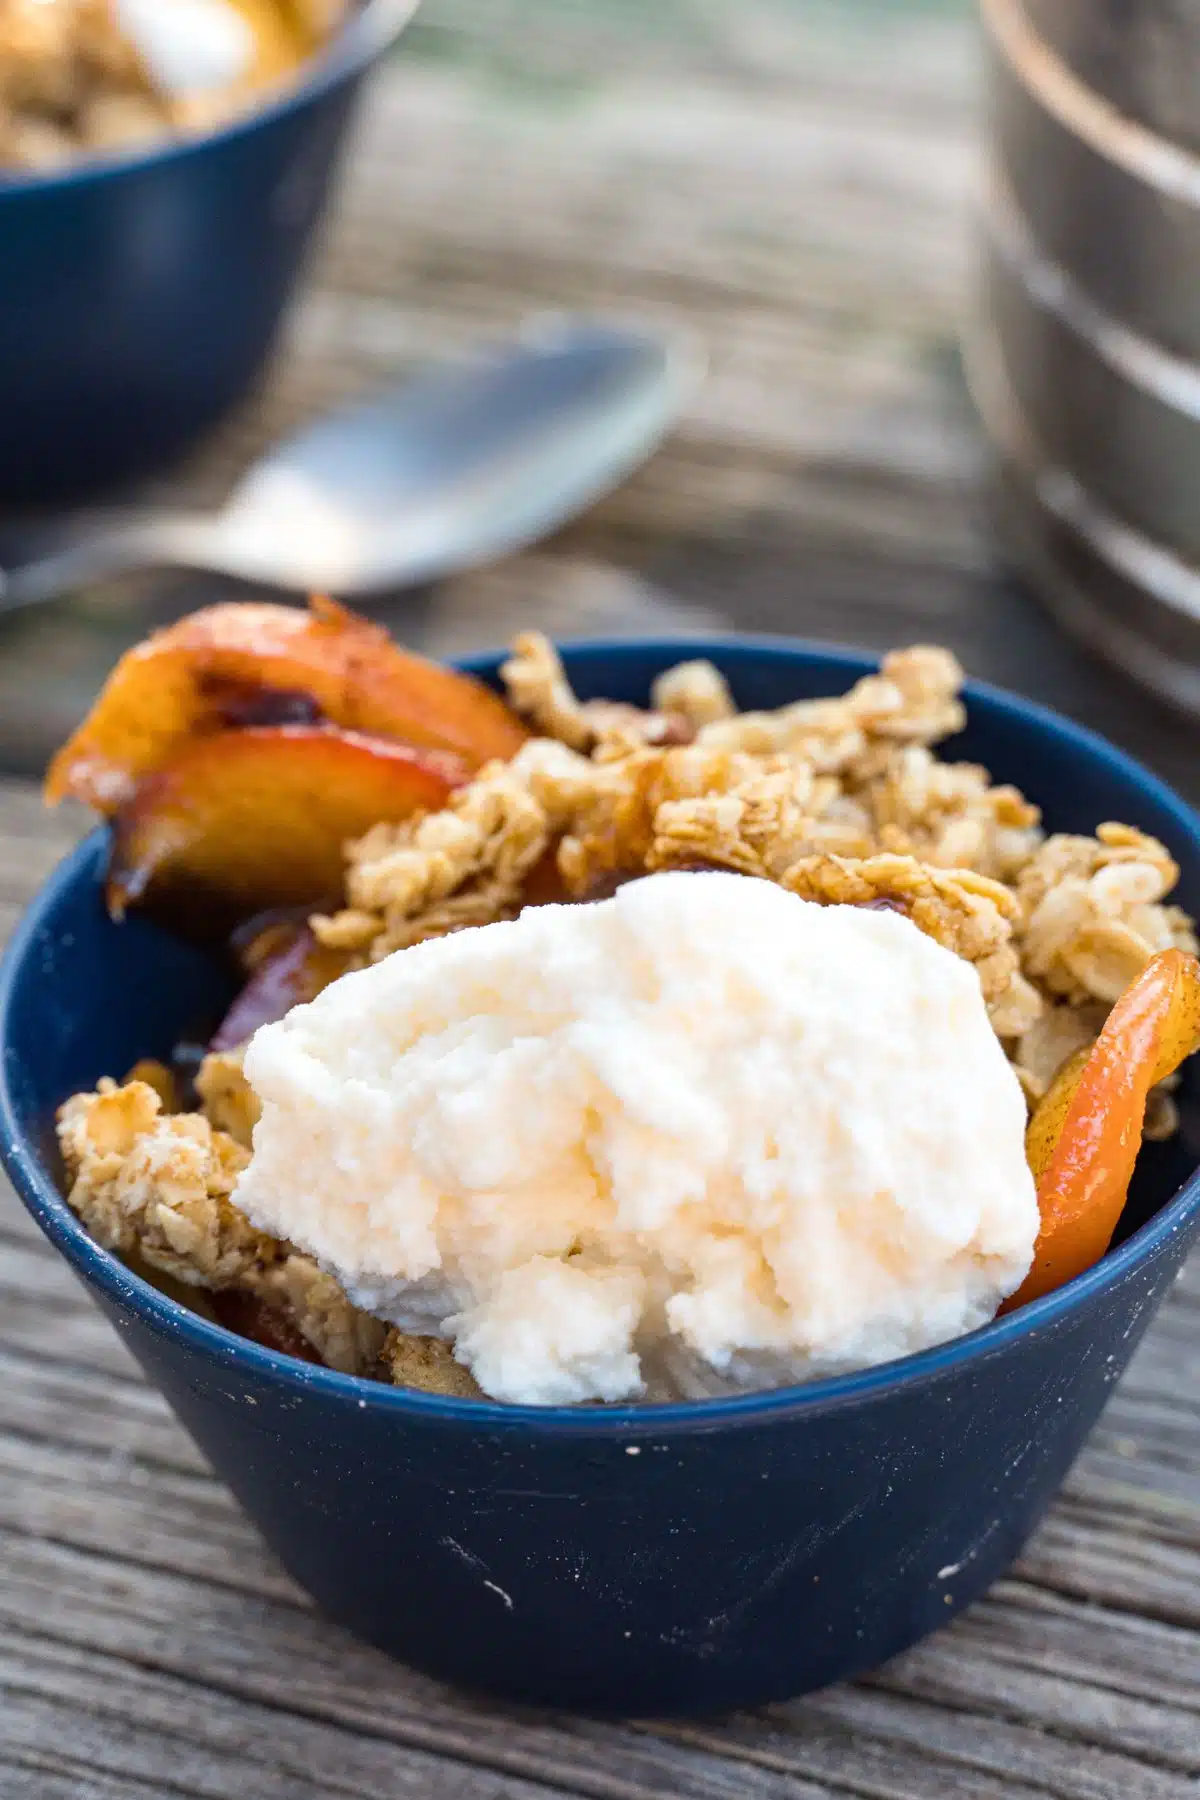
x=136 y=544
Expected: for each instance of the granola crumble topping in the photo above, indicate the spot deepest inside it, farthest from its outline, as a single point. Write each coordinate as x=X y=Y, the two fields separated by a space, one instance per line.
x=157 y=1186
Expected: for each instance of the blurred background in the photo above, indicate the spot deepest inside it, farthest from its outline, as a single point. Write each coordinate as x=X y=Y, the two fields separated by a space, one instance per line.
x=795 y=181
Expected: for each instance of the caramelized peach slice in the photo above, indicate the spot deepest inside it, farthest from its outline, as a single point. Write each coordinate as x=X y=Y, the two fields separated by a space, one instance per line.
x=294 y=972
x=265 y=935
x=263 y=664
x=544 y=885
x=252 y=1318
x=1083 y=1139
x=245 y=820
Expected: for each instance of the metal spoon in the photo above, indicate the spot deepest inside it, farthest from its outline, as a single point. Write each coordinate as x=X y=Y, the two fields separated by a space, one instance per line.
x=451 y=469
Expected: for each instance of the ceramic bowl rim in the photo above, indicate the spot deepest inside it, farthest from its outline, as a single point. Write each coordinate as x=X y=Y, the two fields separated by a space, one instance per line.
x=362 y=36
x=39 y=1191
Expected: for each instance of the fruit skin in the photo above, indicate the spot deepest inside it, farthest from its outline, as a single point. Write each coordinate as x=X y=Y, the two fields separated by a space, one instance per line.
x=243 y=821
x=1083 y=1139
x=286 y=965
x=262 y=663
x=250 y=1317
x=296 y=971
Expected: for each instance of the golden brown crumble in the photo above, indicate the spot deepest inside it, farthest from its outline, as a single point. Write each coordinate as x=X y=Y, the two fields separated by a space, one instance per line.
x=913 y=700
x=695 y=691
x=1093 y=914
x=439 y=871
x=538 y=689
x=162 y=1079
x=157 y=1186
x=229 y=1102
x=428 y=1363
x=950 y=815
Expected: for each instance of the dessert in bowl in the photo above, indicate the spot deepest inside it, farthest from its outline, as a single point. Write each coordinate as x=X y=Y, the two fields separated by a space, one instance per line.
x=163 y=166
x=87 y=77
x=624 y=1552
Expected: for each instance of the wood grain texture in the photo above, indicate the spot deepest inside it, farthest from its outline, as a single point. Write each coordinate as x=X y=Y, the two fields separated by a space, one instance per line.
x=791 y=178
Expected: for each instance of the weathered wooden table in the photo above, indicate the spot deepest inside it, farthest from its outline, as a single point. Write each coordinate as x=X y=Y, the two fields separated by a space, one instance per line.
x=793 y=178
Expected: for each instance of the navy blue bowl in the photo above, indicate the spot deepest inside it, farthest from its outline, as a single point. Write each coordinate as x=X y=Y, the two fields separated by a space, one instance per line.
x=624 y=1560
x=141 y=294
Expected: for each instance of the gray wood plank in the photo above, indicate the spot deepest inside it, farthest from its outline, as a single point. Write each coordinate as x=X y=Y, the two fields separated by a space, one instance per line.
x=179 y=1628
x=172 y=1738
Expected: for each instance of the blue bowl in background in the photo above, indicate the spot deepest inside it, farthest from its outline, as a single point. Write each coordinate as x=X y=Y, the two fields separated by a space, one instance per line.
x=635 y=1560
x=140 y=294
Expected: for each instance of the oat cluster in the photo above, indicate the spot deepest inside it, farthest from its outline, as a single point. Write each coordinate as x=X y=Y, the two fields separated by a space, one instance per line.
x=841 y=801
x=156 y=1187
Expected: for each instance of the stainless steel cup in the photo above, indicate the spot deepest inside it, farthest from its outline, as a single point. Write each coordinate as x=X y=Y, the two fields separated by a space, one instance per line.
x=1084 y=357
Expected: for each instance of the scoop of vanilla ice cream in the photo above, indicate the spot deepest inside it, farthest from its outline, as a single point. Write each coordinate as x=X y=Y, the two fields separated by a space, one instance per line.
x=702 y=1136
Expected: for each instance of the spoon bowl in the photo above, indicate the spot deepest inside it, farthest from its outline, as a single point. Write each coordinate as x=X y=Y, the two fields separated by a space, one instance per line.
x=439 y=473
